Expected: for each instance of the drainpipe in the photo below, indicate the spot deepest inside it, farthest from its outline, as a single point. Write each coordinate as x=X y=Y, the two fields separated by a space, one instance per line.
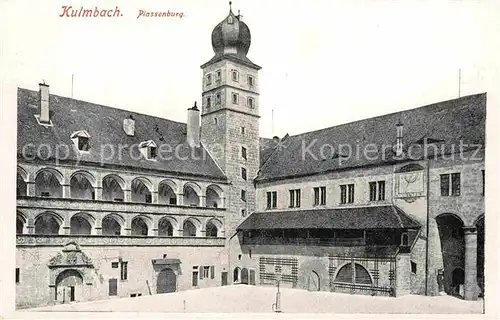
x=427 y=228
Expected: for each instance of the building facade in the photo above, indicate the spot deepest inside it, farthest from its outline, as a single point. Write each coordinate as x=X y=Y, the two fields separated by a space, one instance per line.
x=113 y=203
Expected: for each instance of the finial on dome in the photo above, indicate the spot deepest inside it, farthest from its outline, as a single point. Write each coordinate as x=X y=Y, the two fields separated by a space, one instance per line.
x=230 y=3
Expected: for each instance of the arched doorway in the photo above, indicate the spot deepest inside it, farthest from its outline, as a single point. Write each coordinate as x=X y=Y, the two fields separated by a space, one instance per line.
x=457 y=279
x=166 y=281
x=244 y=276
x=451 y=234
x=69 y=285
x=236 y=275
x=313 y=281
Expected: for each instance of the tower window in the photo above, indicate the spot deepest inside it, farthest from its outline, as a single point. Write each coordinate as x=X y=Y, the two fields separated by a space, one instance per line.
x=235 y=75
x=450 y=184
x=244 y=153
x=17 y=275
x=250 y=103
x=218 y=75
x=244 y=174
x=217 y=98
x=209 y=79
x=242 y=130
x=230 y=20
x=235 y=98
x=243 y=212
x=251 y=81
x=215 y=121
x=209 y=102
x=244 y=195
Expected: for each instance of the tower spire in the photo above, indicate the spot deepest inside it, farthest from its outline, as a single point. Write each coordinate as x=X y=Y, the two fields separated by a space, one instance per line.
x=230 y=9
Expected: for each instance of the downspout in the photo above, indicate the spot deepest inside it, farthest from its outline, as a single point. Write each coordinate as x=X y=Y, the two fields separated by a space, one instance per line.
x=427 y=229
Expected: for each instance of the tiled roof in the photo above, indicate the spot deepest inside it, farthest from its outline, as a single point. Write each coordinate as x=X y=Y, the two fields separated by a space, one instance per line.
x=379 y=217
x=445 y=123
x=105 y=127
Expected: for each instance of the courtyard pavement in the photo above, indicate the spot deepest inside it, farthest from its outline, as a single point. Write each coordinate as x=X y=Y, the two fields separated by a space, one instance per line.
x=256 y=299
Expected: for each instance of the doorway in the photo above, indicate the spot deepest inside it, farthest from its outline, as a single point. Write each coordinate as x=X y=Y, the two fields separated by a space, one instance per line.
x=252 y=277
x=223 y=279
x=313 y=281
x=69 y=286
x=244 y=276
x=166 y=281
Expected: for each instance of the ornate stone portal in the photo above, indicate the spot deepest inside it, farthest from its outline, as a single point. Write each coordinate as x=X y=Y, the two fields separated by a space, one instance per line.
x=70 y=275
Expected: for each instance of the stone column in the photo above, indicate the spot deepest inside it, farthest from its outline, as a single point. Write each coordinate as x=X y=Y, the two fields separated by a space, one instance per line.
x=154 y=197
x=471 y=289
x=98 y=193
x=203 y=201
x=31 y=189
x=66 y=191
x=127 y=195
x=403 y=276
x=180 y=199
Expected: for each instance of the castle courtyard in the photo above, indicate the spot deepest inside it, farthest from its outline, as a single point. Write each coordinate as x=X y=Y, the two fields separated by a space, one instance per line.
x=259 y=299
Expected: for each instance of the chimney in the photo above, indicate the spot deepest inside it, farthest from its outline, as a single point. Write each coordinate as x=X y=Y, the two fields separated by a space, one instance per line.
x=193 y=126
x=43 y=95
x=129 y=126
x=399 y=138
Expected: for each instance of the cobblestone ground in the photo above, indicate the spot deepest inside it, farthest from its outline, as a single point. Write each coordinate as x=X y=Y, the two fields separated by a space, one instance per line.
x=242 y=298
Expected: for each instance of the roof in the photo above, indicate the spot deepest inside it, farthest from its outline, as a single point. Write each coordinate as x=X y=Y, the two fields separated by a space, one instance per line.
x=105 y=126
x=376 y=217
x=444 y=123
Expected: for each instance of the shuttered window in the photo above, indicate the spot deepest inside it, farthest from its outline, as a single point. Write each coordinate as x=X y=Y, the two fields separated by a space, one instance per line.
x=356 y=275
x=361 y=275
x=345 y=274
x=212 y=272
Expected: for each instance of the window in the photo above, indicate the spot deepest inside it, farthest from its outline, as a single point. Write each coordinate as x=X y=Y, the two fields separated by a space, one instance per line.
x=113 y=287
x=209 y=79
x=484 y=181
x=243 y=212
x=230 y=20
x=206 y=271
x=244 y=195
x=235 y=98
x=215 y=121
x=450 y=182
x=380 y=185
x=413 y=267
x=295 y=198
x=123 y=271
x=218 y=76
x=346 y=193
x=172 y=200
x=244 y=153
x=17 y=275
x=195 y=276
x=250 y=103
x=235 y=76
x=272 y=199
x=217 y=98
x=209 y=102
x=244 y=174
x=45 y=194
x=148 y=198
x=132 y=295
x=212 y=272
x=319 y=196
x=148 y=149
x=242 y=130
x=250 y=81
x=404 y=239
x=81 y=140
x=114 y=265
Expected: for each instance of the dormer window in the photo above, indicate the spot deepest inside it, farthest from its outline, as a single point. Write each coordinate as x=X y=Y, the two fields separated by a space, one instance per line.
x=230 y=20
x=148 y=149
x=235 y=76
x=81 y=140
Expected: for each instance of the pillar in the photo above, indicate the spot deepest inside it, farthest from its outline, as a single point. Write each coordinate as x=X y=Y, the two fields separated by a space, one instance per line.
x=471 y=289
x=203 y=201
x=66 y=191
x=31 y=189
x=98 y=193
x=403 y=277
x=127 y=195
x=154 y=197
x=180 y=199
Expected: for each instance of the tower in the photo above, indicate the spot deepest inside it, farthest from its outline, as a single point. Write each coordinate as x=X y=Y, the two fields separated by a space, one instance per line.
x=230 y=114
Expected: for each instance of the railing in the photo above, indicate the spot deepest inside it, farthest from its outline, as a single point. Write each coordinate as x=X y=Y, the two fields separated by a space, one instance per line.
x=361 y=289
x=100 y=240
x=328 y=242
x=115 y=206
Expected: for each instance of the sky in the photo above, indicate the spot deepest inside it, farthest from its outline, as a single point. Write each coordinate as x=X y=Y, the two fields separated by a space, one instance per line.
x=323 y=62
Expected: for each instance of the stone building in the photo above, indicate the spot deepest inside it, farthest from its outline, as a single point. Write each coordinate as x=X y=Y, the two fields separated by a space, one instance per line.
x=113 y=203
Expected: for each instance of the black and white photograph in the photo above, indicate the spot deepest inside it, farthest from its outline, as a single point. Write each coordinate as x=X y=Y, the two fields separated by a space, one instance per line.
x=249 y=157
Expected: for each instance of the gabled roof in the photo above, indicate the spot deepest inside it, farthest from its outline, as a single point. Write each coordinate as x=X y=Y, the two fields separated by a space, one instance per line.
x=444 y=124
x=105 y=126
x=379 y=217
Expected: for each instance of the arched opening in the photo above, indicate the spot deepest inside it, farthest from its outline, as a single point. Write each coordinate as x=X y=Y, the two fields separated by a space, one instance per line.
x=353 y=273
x=313 y=281
x=140 y=191
x=451 y=234
x=244 y=276
x=213 y=196
x=22 y=187
x=69 y=284
x=166 y=193
x=166 y=281
x=189 y=229
x=46 y=223
x=165 y=228
x=112 y=188
x=48 y=184
x=236 y=275
x=80 y=225
x=457 y=280
x=211 y=230
x=111 y=226
x=139 y=227
x=480 y=254
x=80 y=187
x=191 y=198
x=20 y=223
